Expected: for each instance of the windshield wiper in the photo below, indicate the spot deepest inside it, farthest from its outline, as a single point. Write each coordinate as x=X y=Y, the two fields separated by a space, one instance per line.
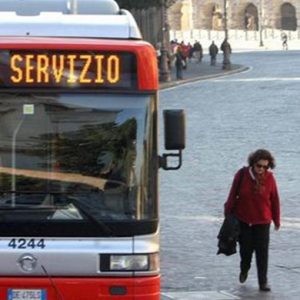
x=68 y=199
x=26 y=207
x=28 y=200
x=86 y=212
x=43 y=192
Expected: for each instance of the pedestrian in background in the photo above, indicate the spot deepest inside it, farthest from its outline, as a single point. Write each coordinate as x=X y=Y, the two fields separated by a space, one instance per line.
x=191 y=52
x=257 y=206
x=213 y=52
x=284 y=39
x=184 y=53
x=179 y=63
x=226 y=48
x=158 y=54
x=198 y=51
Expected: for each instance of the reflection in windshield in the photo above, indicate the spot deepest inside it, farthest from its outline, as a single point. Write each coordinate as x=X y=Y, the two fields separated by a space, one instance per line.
x=72 y=156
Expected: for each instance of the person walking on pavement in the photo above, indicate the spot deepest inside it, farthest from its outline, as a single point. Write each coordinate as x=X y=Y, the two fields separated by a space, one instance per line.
x=284 y=39
x=213 y=51
x=226 y=48
x=179 y=63
x=185 y=53
x=258 y=205
x=198 y=51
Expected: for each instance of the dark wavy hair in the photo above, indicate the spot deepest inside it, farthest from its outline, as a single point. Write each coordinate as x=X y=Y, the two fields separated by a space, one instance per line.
x=259 y=154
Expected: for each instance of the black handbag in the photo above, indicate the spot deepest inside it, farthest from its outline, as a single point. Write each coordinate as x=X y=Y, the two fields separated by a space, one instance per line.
x=230 y=229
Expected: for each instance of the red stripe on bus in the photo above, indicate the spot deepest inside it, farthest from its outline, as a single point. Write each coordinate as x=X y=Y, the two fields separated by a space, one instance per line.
x=137 y=288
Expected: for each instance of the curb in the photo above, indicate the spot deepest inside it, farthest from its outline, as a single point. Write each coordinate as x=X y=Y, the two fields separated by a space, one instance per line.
x=238 y=69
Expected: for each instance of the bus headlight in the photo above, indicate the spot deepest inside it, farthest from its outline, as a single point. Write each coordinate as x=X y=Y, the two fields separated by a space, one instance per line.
x=130 y=262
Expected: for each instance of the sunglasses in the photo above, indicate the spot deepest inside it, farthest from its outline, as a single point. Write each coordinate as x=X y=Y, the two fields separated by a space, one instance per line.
x=259 y=166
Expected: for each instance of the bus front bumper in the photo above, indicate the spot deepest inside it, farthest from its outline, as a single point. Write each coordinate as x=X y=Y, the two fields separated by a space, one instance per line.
x=74 y=288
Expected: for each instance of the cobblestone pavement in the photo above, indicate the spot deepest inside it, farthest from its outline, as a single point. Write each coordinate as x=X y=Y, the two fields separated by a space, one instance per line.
x=203 y=70
x=227 y=118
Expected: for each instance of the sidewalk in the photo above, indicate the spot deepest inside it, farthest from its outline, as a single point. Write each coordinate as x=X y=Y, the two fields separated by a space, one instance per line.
x=201 y=71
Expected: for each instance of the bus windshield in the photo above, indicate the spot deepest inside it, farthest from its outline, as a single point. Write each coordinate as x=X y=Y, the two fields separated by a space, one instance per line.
x=76 y=157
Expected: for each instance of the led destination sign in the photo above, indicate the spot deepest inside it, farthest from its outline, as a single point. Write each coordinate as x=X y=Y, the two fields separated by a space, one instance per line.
x=67 y=69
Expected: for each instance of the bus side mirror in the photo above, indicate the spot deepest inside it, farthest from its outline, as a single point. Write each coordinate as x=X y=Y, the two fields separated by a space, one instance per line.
x=174 y=132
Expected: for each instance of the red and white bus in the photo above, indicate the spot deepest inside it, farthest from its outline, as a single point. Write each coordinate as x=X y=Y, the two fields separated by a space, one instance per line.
x=79 y=211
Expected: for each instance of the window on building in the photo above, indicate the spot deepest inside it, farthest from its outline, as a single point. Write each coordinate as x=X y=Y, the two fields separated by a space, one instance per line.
x=288 y=17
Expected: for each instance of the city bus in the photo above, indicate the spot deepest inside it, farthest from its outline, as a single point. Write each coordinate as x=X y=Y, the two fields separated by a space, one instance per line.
x=79 y=154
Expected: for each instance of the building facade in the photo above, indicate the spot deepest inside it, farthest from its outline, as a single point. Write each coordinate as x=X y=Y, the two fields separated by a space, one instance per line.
x=187 y=15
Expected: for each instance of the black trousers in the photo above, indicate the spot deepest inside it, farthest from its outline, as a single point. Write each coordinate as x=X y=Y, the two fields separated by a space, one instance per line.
x=255 y=238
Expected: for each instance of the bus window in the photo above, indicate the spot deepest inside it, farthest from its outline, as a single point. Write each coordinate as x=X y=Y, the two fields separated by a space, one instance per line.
x=75 y=155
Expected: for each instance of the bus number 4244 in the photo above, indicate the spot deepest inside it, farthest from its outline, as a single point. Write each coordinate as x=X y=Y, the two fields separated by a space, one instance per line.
x=24 y=243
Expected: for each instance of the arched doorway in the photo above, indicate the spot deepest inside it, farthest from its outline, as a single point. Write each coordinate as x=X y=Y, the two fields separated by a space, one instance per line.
x=288 y=17
x=251 y=17
x=217 y=18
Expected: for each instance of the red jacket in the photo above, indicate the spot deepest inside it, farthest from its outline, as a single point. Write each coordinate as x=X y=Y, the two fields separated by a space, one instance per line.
x=261 y=207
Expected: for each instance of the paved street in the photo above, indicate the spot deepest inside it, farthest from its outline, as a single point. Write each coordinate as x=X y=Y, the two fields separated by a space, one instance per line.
x=228 y=117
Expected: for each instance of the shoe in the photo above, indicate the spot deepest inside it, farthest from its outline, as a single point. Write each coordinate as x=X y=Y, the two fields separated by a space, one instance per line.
x=243 y=277
x=265 y=287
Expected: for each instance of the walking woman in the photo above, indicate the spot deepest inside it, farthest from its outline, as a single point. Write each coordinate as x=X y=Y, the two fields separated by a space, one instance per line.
x=258 y=205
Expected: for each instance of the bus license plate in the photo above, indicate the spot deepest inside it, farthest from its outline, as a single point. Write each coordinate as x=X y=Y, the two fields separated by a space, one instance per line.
x=18 y=294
